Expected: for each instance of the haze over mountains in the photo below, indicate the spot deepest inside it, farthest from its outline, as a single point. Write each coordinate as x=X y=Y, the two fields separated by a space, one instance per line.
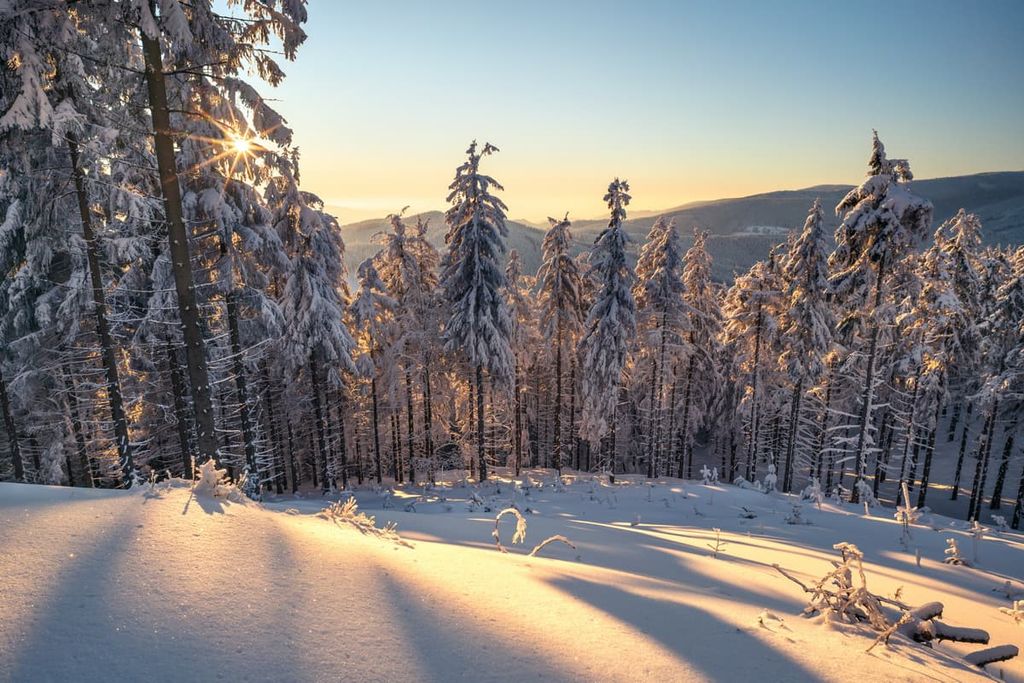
x=743 y=230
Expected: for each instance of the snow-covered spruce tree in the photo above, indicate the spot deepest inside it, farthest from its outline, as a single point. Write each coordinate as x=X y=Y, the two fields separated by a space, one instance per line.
x=703 y=374
x=881 y=221
x=1002 y=383
x=663 y=321
x=171 y=51
x=54 y=91
x=751 y=310
x=610 y=325
x=472 y=283
x=525 y=340
x=407 y=264
x=314 y=295
x=561 y=315
x=372 y=313
x=806 y=326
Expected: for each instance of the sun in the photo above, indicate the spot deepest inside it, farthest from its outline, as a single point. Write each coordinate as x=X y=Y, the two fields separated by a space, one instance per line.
x=240 y=145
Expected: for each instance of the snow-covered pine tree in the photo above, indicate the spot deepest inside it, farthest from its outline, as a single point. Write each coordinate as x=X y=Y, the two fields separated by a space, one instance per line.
x=806 y=325
x=663 y=319
x=881 y=221
x=561 y=315
x=703 y=374
x=479 y=325
x=610 y=325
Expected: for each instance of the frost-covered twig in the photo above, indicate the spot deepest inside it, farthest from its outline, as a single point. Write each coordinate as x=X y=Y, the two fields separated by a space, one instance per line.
x=520 y=533
x=551 y=539
x=347 y=512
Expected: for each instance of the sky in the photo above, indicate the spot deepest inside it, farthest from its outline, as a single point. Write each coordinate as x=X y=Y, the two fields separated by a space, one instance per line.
x=688 y=101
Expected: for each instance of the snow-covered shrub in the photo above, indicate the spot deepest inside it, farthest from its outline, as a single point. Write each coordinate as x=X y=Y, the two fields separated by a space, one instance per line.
x=866 y=494
x=746 y=513
x=210 y=480
x=1016 y=612
x=709 y=476
x=770 y=480
x=346 y=512
x=1001 y=523
x=952 y=553
x=813 y=493
x=796 y=515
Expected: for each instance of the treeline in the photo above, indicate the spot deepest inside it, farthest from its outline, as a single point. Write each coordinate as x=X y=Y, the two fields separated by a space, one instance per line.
x=171 y=295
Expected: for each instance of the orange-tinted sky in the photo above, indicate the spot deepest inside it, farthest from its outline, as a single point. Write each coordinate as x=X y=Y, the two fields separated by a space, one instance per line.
x=687 y=100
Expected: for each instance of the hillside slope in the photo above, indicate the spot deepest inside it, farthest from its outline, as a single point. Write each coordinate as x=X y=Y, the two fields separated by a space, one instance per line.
x=744 y=229
x=157 y=584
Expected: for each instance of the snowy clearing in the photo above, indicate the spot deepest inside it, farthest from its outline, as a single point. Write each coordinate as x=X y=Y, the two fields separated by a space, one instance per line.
x=161 y=584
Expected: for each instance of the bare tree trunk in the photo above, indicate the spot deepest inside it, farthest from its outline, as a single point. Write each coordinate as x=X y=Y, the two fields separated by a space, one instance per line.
x=928 y=454
x=686 y=436
x=517 y=438
x=180 y=411
x=556 y=451
x=794 y=427
x=428 y=421
x=113 y=382
x=76 y=428
x=983 y=463
x=411 y=426
x=869 y=391
x=321 y=427
x=997 y=491
x=12 y=432
x=480 y=422
x=241 y=389
x=376 y=432
x=963 y=450
x=184 y=284
x=755 y=413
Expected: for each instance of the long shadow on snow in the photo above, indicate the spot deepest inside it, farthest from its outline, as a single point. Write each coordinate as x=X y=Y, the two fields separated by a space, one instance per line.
x=692 y=634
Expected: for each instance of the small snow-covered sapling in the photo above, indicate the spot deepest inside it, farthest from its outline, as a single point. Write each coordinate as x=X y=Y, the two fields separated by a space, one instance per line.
x=977 y=534
x=952 y=553
x=1016 y=611
x=718 y=545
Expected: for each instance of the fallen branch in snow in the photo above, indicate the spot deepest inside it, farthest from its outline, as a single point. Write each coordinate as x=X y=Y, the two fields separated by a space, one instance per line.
x=347 y=512
x=520 y=533
x=552 y=539
x=838 y=594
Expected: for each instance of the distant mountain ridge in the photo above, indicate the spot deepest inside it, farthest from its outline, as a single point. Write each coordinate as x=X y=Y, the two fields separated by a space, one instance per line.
x=744 y=229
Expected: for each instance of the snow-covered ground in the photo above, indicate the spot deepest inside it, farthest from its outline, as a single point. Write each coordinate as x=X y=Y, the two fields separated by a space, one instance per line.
x=160 y=584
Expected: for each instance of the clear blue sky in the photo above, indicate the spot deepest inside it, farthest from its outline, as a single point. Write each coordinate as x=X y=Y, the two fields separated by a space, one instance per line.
x=688 y=100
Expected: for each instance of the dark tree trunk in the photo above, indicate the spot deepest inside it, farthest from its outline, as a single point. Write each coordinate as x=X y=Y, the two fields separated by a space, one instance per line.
x=1018 y=508
x=76 y=429
x=184 y=284
x=794 y=425
x=556 y=450
x=428 y=421
x=985 y=457
x=480 y=422
x=819 y=456
x=12 y=432
x=1004 y=463
x=291 y=458
x=376 y=433
x=954 y=421
x=685 y=429
x=672 y=417
x=963 y=451
x=410 y=426
x=928 y=455
x=517 y=438
x=321 y=427
x=241 y=388
x=180 y=411
x=868 y=396
x=339 y=412
x=107 y=352
x=755 y=413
